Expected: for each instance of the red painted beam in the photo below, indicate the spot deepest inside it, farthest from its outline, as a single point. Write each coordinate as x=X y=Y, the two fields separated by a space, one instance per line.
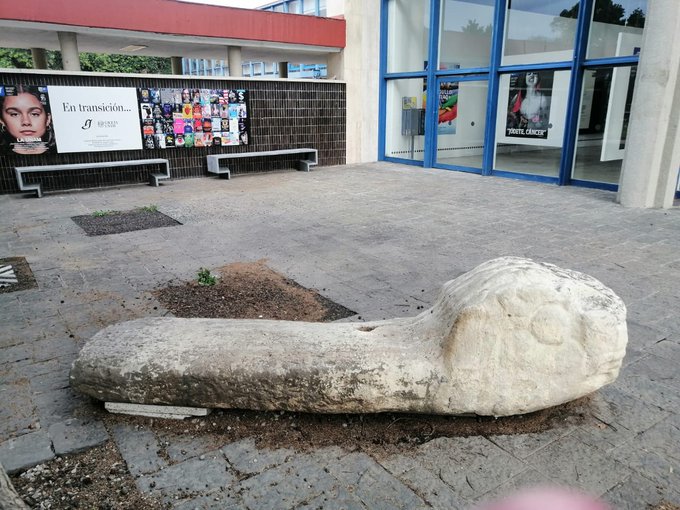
x=180 y=18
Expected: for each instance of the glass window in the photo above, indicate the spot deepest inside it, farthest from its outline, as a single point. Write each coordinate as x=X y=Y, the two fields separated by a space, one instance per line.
x=540 y=31
x=461 y=123
x=322 y=7
x=616 y=30
x=465 y=33
x=309 y=7
x=294 y=7
x=532 y=108
x=603 y=123
x=279 y=8
x=408 y=28
x=405 y=119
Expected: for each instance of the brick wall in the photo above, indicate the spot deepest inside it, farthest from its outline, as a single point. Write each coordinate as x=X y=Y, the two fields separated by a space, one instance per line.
x=284 y=114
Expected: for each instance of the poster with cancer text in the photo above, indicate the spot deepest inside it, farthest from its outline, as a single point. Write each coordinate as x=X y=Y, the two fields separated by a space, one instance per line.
x=95 y=119
x=529 y=102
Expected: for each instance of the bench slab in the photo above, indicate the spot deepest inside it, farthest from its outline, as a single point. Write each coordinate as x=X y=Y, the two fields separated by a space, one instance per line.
x=37 y=187
x=311 y=158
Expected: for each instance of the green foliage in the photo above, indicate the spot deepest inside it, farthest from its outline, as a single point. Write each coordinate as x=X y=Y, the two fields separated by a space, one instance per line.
x=15 y=59
x=98 y=214
x=205 y=278
x=149 y=208
x=135 y=64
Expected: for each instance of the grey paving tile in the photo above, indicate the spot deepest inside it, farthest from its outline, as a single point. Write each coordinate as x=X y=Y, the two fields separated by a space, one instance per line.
x=139 y=448
x=572 y=462
x=639 y=492
x=195 y=475
x=294 y=483
x=74 y=435
x=246 y=458
x=26 y=451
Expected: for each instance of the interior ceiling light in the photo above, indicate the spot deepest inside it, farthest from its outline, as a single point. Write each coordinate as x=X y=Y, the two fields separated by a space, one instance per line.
x=133 y=47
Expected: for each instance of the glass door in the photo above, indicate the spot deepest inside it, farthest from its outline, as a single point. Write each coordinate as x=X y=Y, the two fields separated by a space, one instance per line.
x=461 y=123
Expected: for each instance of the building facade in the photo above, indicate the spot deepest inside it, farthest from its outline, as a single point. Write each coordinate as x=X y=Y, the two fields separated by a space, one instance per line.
x=518 y=88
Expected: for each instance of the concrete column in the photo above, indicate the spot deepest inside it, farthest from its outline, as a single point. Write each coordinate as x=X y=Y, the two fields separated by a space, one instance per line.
x=235 y=62
x=336 y=65
x=176 y=63
x=39 y=58
x=361 y=67
x=652 y=159
x=283 y=69
x=68 y=42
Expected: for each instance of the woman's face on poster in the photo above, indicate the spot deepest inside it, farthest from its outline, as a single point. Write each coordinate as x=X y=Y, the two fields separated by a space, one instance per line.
x=531 y=79
x=24 y=116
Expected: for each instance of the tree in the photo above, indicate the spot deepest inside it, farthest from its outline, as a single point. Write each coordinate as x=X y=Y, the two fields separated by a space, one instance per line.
x=15 y=59
x=636 y=18
x=96 y=62
x=473 y=27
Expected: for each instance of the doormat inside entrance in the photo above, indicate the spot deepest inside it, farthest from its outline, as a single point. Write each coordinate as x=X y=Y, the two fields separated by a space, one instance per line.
x=101 y=223
x=15 y=274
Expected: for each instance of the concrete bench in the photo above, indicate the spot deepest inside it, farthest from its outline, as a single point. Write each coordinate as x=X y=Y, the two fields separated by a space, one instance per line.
x=309 y=159
x=37 y=187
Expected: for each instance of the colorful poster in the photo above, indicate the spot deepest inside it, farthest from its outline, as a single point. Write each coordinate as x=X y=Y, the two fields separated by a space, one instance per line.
x=94 y=119
x=193 y=117
x=448 y=108
x=529 y=104
x=26 y=125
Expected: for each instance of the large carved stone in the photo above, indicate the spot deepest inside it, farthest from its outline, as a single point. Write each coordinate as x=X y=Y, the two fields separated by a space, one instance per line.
x=509 y=337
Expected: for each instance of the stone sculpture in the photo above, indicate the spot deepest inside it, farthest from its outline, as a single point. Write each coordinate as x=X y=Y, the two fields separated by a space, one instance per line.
x=509 y=337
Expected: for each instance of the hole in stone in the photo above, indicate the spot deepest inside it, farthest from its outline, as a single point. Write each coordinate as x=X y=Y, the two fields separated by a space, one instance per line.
x=367 y=328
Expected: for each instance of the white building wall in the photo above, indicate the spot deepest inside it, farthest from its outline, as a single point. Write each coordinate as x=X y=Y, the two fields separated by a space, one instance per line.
x=359 y=65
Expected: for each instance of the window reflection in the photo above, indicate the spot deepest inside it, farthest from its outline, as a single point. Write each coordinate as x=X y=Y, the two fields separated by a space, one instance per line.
x=540 y=31
x=617 y=26
x=465 y=33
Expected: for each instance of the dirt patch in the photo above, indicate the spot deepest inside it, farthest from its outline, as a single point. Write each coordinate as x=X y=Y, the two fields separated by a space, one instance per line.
x=102 y=223
x=250 y=291
x=97 y=478
x=666 y=506
x=378 y=435
x=22 y=272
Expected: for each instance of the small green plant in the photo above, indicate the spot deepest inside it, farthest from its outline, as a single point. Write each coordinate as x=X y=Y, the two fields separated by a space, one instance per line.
x=149 y=208
x=205 y=278
x=98 y=214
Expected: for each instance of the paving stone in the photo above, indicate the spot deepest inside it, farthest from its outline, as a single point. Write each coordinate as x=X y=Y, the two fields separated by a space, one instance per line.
x=372 y=484
x=74 y=435
x=23 y=452
x=638 y=492
x=299 y=480
x=570 y=461
x=618 y=417
x=181 y=447
x=663 y=471
x=139 y=449
x=218 y=500
x=247 y=459
x=523 y=445
x=525 y=480
x=425 y=483
x=204 y=476
x=471 y=466
x=337 y=499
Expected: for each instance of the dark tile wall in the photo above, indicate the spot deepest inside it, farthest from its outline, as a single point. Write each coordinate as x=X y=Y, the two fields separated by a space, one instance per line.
x=283 y=115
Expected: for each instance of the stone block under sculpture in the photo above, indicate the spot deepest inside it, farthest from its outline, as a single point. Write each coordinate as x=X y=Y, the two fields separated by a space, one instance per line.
x=509 y=337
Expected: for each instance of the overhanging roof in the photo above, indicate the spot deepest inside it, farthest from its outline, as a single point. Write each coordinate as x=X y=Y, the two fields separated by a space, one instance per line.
x=170 y=28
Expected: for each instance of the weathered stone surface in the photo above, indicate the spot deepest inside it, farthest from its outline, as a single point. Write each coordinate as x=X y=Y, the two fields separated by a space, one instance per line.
x=511 y=336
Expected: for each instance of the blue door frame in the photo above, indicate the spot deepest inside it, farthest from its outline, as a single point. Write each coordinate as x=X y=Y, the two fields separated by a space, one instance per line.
x=434 y=77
